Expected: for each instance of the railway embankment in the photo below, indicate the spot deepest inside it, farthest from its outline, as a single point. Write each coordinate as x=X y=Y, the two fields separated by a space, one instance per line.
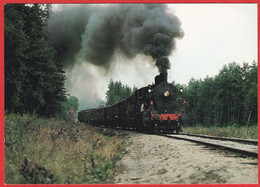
x=49 y=151
x=155 y=159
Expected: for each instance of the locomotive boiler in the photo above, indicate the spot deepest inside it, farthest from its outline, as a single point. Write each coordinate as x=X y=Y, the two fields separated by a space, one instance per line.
x=156 y=107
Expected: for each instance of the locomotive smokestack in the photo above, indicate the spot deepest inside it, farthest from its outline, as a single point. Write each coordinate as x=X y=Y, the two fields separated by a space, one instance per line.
x=164 y=76
x=163 y=64
x=161 y=78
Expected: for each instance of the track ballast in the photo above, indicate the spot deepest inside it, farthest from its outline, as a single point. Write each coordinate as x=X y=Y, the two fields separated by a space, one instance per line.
x=240 y=146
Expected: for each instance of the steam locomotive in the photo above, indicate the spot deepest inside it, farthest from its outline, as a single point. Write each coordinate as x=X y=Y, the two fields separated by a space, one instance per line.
x=157 y=107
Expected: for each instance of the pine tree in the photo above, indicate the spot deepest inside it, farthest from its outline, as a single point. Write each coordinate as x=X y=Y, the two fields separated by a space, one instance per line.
x=40 y=81
x=16 y=44
x=45 y=81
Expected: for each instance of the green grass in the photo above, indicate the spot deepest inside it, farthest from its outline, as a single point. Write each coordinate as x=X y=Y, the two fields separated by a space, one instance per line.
x=233 y=131
x=42 y=151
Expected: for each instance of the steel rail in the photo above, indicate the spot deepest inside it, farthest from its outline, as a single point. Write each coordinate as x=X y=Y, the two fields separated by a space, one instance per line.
x=249 y=141
x=216 y=145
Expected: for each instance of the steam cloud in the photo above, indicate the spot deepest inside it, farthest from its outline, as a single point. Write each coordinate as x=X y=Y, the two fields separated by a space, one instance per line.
x=97 y=33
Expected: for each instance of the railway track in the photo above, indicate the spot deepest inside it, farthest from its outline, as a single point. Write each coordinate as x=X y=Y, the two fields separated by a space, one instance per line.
x=244 y=147
x=246 y=141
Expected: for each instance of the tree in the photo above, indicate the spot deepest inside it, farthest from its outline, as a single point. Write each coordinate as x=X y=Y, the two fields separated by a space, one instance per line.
x=73 y=102
x=117 y=92
x=250 y=93
x=192 y=97
x=16 y=44
x=34 y=81
x=226 y=99
x=70 y=104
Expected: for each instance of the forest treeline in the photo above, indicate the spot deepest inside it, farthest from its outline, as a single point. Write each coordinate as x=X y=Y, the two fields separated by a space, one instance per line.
x=34 y=80
x=229 y=98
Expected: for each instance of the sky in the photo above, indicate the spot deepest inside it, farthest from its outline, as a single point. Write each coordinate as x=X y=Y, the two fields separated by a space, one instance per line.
x=214 y=35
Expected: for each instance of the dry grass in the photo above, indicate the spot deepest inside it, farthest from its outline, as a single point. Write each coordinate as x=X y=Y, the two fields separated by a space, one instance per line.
x=62 y=153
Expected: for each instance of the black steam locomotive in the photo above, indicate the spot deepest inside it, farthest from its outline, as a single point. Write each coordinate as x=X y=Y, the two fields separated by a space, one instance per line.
x=157 y=107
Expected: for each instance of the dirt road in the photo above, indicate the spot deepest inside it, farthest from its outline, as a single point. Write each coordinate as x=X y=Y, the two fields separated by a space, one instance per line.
x=158 y=160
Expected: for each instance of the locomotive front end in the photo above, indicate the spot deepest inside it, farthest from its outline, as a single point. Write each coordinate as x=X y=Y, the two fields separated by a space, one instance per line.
x=166 y=106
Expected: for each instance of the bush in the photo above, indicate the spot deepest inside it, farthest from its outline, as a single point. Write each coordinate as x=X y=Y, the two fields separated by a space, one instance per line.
x=16 y=125
x=70 y=104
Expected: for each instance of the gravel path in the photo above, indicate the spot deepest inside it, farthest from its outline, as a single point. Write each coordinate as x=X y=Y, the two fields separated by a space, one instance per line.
x=159 y=160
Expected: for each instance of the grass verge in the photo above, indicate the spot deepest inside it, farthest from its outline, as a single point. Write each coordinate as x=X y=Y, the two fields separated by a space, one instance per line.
x=234 y=131
x=48 y=151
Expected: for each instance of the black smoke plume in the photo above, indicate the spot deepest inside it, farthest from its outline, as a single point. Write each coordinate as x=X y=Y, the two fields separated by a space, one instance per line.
x=97 y=33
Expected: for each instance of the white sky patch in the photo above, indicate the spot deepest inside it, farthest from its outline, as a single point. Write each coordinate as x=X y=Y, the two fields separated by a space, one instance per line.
x=215 y=35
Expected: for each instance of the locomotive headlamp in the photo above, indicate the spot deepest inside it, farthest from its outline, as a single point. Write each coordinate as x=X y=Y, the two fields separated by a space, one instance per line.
x=149 y=90
x=181 y=90
x=166 y=93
